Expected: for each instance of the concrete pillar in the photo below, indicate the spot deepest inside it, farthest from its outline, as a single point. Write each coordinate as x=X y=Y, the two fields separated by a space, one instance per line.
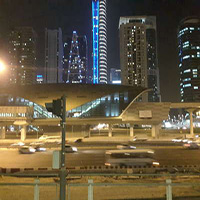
x=168 y=189
x=90 y=189
x=155 y=130
x=191 y=123
x=131 y=130
x=36 y=189
x=110 y=130
x=3 y=132
x=89 y=131
x=23 y=132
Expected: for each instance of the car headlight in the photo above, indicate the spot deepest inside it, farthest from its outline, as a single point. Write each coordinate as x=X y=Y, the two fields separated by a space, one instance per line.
x=107 y=164
x=74 y=149
x=32 y=150
x=156 y=163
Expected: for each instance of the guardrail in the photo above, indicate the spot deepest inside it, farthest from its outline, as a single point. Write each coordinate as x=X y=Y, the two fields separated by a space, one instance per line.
x=111 y=169
x=90 y=184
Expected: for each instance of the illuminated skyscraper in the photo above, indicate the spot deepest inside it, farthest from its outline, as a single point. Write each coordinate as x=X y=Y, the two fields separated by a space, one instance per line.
x=22 y=56
x=99 y=41
x=138 y=54
x=189 y=59
x=75 y=59
x=53 y=56
x=115 y=76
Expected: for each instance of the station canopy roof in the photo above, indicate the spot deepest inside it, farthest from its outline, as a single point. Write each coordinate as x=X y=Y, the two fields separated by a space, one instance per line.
x=77 y=94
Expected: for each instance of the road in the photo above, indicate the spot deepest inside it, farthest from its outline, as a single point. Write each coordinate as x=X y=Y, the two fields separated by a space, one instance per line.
x=88 y=157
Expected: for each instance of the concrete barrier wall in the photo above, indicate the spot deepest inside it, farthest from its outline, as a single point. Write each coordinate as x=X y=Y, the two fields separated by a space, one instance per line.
x=108 y=169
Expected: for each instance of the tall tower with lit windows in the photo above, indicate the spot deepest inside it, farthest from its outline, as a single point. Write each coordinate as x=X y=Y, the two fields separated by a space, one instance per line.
x=138 y=54
x=99 y=42
x=22 y=56
x=189 y=59
x=77 y=63
x=53 y=56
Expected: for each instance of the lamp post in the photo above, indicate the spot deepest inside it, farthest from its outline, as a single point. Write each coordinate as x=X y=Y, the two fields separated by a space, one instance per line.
x=2 y=67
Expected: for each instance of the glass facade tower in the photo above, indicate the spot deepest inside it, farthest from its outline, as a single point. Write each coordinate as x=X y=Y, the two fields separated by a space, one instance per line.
x=22 y=56
x=99 y=41
x=189 y=59
x=53 y=56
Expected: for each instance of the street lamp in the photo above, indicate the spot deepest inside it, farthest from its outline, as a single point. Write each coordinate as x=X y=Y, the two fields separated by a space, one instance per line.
x=2 y=66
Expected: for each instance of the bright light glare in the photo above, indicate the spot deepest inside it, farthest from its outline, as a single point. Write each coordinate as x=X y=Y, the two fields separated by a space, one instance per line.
x=168 y=125
x=2 y=66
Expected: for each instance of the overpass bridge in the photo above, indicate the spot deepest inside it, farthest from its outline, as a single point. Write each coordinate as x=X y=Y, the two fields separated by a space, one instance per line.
x=110 y=104
x=135 y=113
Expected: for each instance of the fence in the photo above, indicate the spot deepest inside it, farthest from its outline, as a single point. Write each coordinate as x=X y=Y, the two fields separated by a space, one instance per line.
x=93 y=188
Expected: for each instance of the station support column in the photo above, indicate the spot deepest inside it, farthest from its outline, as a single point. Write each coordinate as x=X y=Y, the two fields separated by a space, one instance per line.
x=23 y=132
x=3 y=132
x=110 y=130
x=131 y=130
x=155 y=130
x=191 y=121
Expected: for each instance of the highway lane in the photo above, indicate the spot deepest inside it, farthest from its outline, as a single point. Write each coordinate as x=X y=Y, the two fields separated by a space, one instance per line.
x=166 y=156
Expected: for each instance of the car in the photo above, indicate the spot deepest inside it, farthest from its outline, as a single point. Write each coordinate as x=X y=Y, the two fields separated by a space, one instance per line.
x=70 y=149
x=36 y=143
x=78 y=140
x=17 y=144
x=177 y=139
x=191 y=146
x=139 y=139
x=39 y=148
x=125 y=146
x=26 y=150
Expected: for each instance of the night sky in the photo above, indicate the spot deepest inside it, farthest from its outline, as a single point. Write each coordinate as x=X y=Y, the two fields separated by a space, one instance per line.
x=76 y=15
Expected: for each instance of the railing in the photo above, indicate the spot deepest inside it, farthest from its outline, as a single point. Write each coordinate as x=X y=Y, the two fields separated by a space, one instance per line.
x=94 y=188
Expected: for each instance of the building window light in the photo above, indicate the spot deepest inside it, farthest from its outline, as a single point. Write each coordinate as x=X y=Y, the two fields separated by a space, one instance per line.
x=186 y=79
x=187 y=70
x=187 y=85
x=186 y=57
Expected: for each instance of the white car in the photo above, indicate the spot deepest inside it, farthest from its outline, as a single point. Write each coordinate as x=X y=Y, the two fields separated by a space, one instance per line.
x=26 y=150
x=125 y=146
x=18 y=144
x=70 y=149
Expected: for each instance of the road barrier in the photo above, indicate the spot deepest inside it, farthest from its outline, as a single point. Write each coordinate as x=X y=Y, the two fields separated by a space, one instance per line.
x=90 y=184
x=111 y=169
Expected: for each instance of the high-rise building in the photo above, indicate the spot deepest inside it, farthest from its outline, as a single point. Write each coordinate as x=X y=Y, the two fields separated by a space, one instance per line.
x=22 y=56
x=115 y=76
x=138 y=54
x=99 y=41
x=75 y=59
x=53 y=56
x=39 y=79
x=83 y=51
x=66 y=50
x=189 y=59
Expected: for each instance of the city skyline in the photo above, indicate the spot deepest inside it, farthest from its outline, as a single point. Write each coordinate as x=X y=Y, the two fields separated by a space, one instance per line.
x=69 y=16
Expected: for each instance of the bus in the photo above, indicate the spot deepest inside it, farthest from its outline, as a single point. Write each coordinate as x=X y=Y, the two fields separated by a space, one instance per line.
x=130 y=157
